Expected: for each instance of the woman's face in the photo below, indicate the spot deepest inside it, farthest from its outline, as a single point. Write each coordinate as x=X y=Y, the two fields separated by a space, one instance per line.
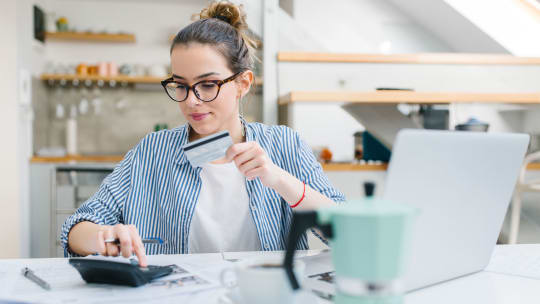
x=195 y=62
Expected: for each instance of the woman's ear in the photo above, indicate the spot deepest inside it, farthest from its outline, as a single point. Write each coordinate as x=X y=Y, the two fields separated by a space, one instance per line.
x=245 y=80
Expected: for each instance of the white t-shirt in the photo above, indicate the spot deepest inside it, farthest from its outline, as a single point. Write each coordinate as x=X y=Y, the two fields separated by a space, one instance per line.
x=222 y=220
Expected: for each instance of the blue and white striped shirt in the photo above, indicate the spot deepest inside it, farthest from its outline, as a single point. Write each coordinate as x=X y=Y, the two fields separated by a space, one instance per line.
x=156 y=189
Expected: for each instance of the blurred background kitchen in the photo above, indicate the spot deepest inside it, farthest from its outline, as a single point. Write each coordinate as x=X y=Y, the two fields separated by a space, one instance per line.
x=80 y=86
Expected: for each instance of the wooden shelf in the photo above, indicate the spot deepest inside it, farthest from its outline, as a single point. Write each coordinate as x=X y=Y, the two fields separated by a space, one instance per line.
x=533 y=166
x=128 y=79
x=425 y=58
x=394 y=97
x=93 y=37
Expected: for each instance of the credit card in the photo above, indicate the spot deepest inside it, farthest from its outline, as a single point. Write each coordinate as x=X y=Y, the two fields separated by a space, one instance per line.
x=208 y=149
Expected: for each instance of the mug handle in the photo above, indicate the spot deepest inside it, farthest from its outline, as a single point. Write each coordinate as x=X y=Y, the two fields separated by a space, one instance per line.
x=222 y=280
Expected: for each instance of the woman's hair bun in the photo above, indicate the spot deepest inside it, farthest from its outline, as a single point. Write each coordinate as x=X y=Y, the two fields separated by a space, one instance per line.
x=226 y=11
x=223 y=23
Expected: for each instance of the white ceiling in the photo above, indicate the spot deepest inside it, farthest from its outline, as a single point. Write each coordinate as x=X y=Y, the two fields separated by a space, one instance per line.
x=449 y=26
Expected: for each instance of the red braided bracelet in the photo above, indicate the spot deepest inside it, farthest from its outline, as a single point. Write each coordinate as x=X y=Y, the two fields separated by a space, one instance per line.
x=302 y=198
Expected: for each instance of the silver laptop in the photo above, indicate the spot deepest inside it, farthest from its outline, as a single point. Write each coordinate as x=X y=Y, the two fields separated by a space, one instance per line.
x=462 y=183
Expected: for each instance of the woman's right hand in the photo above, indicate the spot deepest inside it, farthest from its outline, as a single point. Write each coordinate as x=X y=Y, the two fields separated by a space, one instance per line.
x=130 y=242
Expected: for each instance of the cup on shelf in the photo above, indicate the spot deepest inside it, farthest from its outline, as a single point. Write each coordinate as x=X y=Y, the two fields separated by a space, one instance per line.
x=126 y=69
x=103 y=69
x=62 y=24
x=93 y=70
x=82 y=69
x=113 y=69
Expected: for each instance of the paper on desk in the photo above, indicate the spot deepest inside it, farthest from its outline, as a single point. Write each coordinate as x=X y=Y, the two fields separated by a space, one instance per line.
x=68 y=286
x=7 y=272
x=520 y=260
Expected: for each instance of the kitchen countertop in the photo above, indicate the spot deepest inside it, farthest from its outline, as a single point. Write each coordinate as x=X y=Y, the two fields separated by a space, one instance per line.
x=77 y=159
x=70 y=159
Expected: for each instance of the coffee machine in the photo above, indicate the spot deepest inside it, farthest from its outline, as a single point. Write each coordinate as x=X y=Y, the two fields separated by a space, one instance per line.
x=368 y=238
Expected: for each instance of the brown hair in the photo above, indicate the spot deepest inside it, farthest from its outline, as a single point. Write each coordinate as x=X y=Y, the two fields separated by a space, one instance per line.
x=223 y=25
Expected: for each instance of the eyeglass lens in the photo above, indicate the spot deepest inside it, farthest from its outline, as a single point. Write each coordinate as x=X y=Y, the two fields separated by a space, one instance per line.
x=205 y=91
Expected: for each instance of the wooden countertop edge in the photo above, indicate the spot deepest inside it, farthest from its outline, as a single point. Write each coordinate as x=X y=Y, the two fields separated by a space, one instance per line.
x=118 y=158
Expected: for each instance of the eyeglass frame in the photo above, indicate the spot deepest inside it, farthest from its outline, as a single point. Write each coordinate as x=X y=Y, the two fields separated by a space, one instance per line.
x=219 y=83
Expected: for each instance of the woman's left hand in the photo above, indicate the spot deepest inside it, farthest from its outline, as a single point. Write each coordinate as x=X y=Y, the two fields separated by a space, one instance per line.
x=252 y=161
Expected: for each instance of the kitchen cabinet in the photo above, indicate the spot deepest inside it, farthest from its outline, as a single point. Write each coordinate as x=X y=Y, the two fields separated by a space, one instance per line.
x=56 y=191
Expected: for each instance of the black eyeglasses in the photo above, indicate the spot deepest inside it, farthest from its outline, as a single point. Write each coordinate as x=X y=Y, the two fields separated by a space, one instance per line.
x=205 y=90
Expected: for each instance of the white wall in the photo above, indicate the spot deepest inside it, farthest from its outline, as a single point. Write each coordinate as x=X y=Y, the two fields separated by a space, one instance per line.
x=30 y=59
x=9 y=172
x=364 y=26
x=451 y=26
x=292 y=35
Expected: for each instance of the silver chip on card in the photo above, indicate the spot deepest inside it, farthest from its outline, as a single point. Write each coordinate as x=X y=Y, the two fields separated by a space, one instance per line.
x=208 y=149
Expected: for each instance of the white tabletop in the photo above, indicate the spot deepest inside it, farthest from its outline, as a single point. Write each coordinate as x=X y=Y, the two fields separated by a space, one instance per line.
x=483 y=287
x=513 y=276
x=503 y=281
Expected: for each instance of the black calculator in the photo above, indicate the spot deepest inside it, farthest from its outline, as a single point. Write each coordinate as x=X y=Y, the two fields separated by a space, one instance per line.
x=118 y=273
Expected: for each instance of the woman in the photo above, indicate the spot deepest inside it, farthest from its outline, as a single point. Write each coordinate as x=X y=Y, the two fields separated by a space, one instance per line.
x=242 y=202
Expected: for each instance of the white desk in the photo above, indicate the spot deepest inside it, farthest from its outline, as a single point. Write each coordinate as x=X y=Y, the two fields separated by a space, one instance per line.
x=483 y=287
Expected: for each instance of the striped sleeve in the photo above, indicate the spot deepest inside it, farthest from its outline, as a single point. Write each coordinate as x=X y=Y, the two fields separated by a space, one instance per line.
x=311 y=171
x=105 y=206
